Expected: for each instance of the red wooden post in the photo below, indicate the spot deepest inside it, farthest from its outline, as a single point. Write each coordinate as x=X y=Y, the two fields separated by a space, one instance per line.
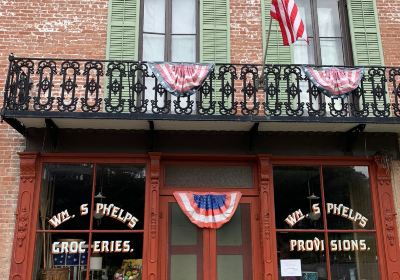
x=388 y=218
x=152 y=270
x=267 y=219
x=24 y=233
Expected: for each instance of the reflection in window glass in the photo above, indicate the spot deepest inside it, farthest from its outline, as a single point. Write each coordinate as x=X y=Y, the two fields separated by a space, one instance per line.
x=124 y=188
x=353 y=256
x=74 y=241
x=64 y=188
x=297 y=189
x=344 y=186
x=313 y=259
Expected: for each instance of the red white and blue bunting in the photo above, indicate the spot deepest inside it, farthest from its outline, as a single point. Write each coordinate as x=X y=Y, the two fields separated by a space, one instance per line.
x=334 y=81
x=181 y=79
x=208 y=209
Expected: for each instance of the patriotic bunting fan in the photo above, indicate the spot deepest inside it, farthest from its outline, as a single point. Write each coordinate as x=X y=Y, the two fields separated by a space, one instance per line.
x=208 y=210
x=181 y=79
x=333 y=81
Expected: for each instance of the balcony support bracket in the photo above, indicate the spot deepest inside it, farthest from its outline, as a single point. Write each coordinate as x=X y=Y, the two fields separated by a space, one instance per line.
x=16 y=124
x=351 y=137
x=52 y=130
x=252 y=135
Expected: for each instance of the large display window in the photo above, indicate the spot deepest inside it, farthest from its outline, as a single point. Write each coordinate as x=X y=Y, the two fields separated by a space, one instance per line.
x=91 y=222
x=324 y=223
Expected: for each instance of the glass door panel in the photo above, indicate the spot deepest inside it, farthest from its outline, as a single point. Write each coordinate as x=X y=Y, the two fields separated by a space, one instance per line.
x=185 y=247
x=234 y=254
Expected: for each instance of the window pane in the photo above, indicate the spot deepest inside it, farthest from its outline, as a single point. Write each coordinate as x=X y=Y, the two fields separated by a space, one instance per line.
x=305 y=13
x=184 y=267
x=230 y=267
x=303 y=53
x=183 y=48
x=185 y=246
x=154 y=16
x=331 y=51
x=309 y=248
x=328 y=18
x=153 y=47
x=184 y=16
x=119 y=197
x=348 y=198
x=297 y=197
x=65 y=187
x=183 y=231
x=353 y=256
x=209 y=176
x=115 y=255
x=62 y=254
x=234 y=246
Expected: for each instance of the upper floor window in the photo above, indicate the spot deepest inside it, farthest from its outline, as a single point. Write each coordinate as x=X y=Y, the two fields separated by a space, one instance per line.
x=327 y=29
x=169 y=30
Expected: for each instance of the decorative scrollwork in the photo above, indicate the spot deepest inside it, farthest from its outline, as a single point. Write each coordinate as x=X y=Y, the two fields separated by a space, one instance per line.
x=187 y=109
x=93 y=70
x=116 y=74
x=272 y=105
x=207 y=96
x=380 y=106
x=359 y=106
x=292 y=76
x=227 y=103
x=20 y=83
x=315 y=107
x=249 y=76
x=138 y=102
x=394 y=78
x=160 y=104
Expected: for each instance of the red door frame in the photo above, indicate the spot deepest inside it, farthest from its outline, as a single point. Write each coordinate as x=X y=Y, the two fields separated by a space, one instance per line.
x=28 y=202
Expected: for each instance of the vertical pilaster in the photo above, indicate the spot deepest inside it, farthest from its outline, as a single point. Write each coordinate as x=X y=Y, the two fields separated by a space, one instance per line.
x=267 y=217
x=24 y=232
x=388 y=218
x=152 y=271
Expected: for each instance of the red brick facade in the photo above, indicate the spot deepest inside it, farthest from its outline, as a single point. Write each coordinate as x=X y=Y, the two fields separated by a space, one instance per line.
x=78 y=29
x=47 y=28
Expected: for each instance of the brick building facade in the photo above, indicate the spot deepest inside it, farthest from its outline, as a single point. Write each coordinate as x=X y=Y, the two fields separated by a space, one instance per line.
x=78 y=29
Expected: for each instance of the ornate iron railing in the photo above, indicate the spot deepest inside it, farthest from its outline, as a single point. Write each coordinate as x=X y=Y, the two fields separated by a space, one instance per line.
x=128 y=88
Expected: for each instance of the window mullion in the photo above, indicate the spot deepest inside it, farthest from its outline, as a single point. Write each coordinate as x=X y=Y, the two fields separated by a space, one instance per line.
x=168 y=30
x=314 y=22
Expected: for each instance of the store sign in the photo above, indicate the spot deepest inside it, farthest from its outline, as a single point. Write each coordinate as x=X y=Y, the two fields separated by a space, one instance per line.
x=331 y=209
x=335 y=245
x=103 y=246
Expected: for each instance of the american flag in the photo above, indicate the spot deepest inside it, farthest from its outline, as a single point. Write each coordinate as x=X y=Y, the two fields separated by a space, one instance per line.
x=287 y=14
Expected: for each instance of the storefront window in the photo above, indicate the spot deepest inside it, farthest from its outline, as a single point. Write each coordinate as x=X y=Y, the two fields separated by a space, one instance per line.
x=324 y=223
x=91 y=222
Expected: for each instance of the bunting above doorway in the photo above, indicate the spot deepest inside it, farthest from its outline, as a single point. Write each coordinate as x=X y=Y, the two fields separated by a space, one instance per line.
x=181 y=79
x=333 y=81
x=208 y=209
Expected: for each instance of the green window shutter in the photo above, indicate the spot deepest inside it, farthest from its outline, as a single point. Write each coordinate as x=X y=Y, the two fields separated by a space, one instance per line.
x=123 y=29
x=366 y=41
x=214 y=31
x=277 y=52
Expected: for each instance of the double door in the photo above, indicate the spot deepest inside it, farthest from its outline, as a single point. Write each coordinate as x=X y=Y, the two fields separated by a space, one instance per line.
x=192 y=253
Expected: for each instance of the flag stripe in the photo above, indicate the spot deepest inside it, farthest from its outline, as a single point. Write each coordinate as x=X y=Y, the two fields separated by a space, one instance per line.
x=291 y=25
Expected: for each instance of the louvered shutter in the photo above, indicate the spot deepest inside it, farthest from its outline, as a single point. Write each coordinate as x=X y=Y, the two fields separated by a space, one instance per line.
x=366 y=43
x=365 y=35
x=123 y=29
x=122 y=37
x=214 y=31
x=277 y=52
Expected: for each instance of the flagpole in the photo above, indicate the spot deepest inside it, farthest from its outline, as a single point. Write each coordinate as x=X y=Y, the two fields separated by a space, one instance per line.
x=266 y=50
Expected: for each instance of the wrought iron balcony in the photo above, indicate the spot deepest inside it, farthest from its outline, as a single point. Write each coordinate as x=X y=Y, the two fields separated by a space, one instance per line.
x=44 y=88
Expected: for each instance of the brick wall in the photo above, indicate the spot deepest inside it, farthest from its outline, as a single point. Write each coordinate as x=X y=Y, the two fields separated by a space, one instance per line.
x=246 y=31
x=389 y=23
x=39 y=28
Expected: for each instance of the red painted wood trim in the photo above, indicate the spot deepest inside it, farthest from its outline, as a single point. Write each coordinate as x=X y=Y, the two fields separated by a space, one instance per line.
x=26 y=218
x=153 y=232
x=267 y=219
x=388 y=225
